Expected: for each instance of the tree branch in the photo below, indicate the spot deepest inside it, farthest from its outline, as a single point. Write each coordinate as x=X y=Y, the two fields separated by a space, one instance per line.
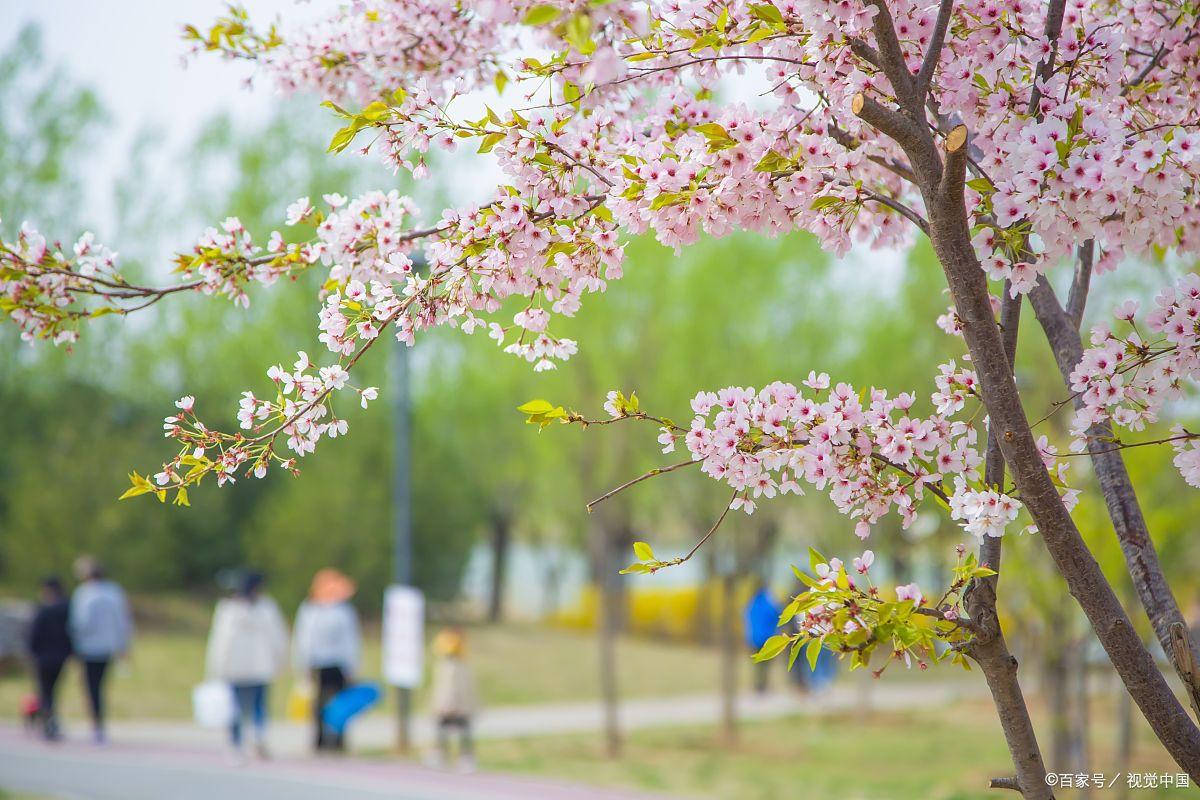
x=951 y=238
x=1129 y=524
x=892 y=56
x=934 y=52
x=1081 y=283
x=1052 y=31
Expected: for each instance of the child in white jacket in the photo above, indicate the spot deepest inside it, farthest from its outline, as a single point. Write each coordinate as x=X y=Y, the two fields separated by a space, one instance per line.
x=247 y=649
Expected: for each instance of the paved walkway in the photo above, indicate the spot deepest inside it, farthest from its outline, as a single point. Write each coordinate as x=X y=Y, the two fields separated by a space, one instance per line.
x=77 y=771
x=377 y=731
x=178 y=761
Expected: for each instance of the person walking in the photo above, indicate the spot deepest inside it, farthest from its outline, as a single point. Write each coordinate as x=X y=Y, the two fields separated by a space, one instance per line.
x=454 y=698
x=761 y=623
x=327 y=646
x=101 y=629
x=50 y=647
x=247 y=648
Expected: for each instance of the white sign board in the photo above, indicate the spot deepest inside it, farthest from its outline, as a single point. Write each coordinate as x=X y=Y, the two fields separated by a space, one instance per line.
x=403 y=636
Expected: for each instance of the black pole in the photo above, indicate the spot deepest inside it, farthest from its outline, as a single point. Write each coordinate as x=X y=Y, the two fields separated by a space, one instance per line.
x=402 y=539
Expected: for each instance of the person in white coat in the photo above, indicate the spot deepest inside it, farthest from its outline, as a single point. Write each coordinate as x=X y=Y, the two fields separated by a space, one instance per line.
x=328 y=646
x=247 y=649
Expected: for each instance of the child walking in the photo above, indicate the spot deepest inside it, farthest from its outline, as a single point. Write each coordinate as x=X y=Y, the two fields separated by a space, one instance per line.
x=454 y=700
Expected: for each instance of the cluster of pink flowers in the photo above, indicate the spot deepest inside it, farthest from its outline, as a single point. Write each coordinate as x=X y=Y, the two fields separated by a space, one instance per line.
x=38 y=281
x=1125 y=380
x=226 y=260
x=870 y=459
x=619 y=127
x=1058 y=157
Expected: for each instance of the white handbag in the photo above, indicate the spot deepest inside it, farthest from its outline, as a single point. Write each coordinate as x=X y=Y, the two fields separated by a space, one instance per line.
x=212 y=704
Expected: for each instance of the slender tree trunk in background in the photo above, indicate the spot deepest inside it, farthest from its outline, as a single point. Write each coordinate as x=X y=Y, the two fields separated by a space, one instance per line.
x=608 y=605
x=729 y=658
x=707 y=614
x=551 y=584
x=1129 y=524
x=1081 y=725
x=501 y=532
x=1054 y=681
x=1125 y=734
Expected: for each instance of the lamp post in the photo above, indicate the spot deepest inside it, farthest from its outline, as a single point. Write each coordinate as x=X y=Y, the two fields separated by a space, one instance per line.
x=402 y=538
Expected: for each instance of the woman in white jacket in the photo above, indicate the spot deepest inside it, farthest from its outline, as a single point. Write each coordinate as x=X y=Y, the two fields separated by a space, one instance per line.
x=247 y=649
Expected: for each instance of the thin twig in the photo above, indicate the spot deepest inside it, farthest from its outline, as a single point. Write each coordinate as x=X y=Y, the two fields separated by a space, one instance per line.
x=652 y=473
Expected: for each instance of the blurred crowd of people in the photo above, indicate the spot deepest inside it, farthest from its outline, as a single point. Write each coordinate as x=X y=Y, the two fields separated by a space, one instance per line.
x=93 y=625
x=248 y=651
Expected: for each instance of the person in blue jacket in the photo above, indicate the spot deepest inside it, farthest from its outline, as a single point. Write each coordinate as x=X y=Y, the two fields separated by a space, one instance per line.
x=761 y=623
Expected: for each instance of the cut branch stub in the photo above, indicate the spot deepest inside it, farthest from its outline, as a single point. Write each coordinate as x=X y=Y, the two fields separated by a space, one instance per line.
x=856 y=105
x=956 y=139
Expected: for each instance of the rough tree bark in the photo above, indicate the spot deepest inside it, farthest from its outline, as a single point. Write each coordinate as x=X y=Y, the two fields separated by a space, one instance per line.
x=988 y=647
x=950 y=233
x=942 y=189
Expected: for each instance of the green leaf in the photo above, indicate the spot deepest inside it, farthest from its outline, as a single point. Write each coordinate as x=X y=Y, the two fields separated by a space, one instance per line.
x=643 y=551
x=342 y=139
x=376 y=111
x=535 y=407
x=634 y=569
x=767 y=12
x=579 y=33
x=760 y=32
x=772 y=162
x=490 y=141
x=540 y=15
x=796 y=648
x=571 y=93
x=773 y=647
x=825 y=201
x=815 y=558
x=814 y=650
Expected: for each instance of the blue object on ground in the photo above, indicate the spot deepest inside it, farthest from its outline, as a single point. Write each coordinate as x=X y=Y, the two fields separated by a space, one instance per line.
x=348 y=704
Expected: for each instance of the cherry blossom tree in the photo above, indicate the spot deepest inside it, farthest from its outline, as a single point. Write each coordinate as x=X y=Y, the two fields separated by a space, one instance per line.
x=1030 y=143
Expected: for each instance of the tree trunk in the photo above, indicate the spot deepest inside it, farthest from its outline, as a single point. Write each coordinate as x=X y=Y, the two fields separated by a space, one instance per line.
x=1125 y=735
x=1081 y=724
x=707 y=622
x=951 y=237
x=1055 y=680
x=1129 y=524
x=501 y=540
x=729 y=659
x=608 y=609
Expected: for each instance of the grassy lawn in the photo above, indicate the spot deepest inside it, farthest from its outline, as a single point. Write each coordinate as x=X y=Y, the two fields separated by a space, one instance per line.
x=514 y=664
x=930 y=755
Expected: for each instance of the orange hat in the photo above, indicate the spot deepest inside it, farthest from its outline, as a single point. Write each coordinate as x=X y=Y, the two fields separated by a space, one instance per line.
x=450 y=642
x=330 y=586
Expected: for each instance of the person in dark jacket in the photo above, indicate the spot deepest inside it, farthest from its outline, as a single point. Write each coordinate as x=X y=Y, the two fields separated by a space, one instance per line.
x=50 y=646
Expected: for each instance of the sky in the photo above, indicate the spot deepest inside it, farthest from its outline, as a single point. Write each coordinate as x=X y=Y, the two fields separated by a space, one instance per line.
x=130 y=52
